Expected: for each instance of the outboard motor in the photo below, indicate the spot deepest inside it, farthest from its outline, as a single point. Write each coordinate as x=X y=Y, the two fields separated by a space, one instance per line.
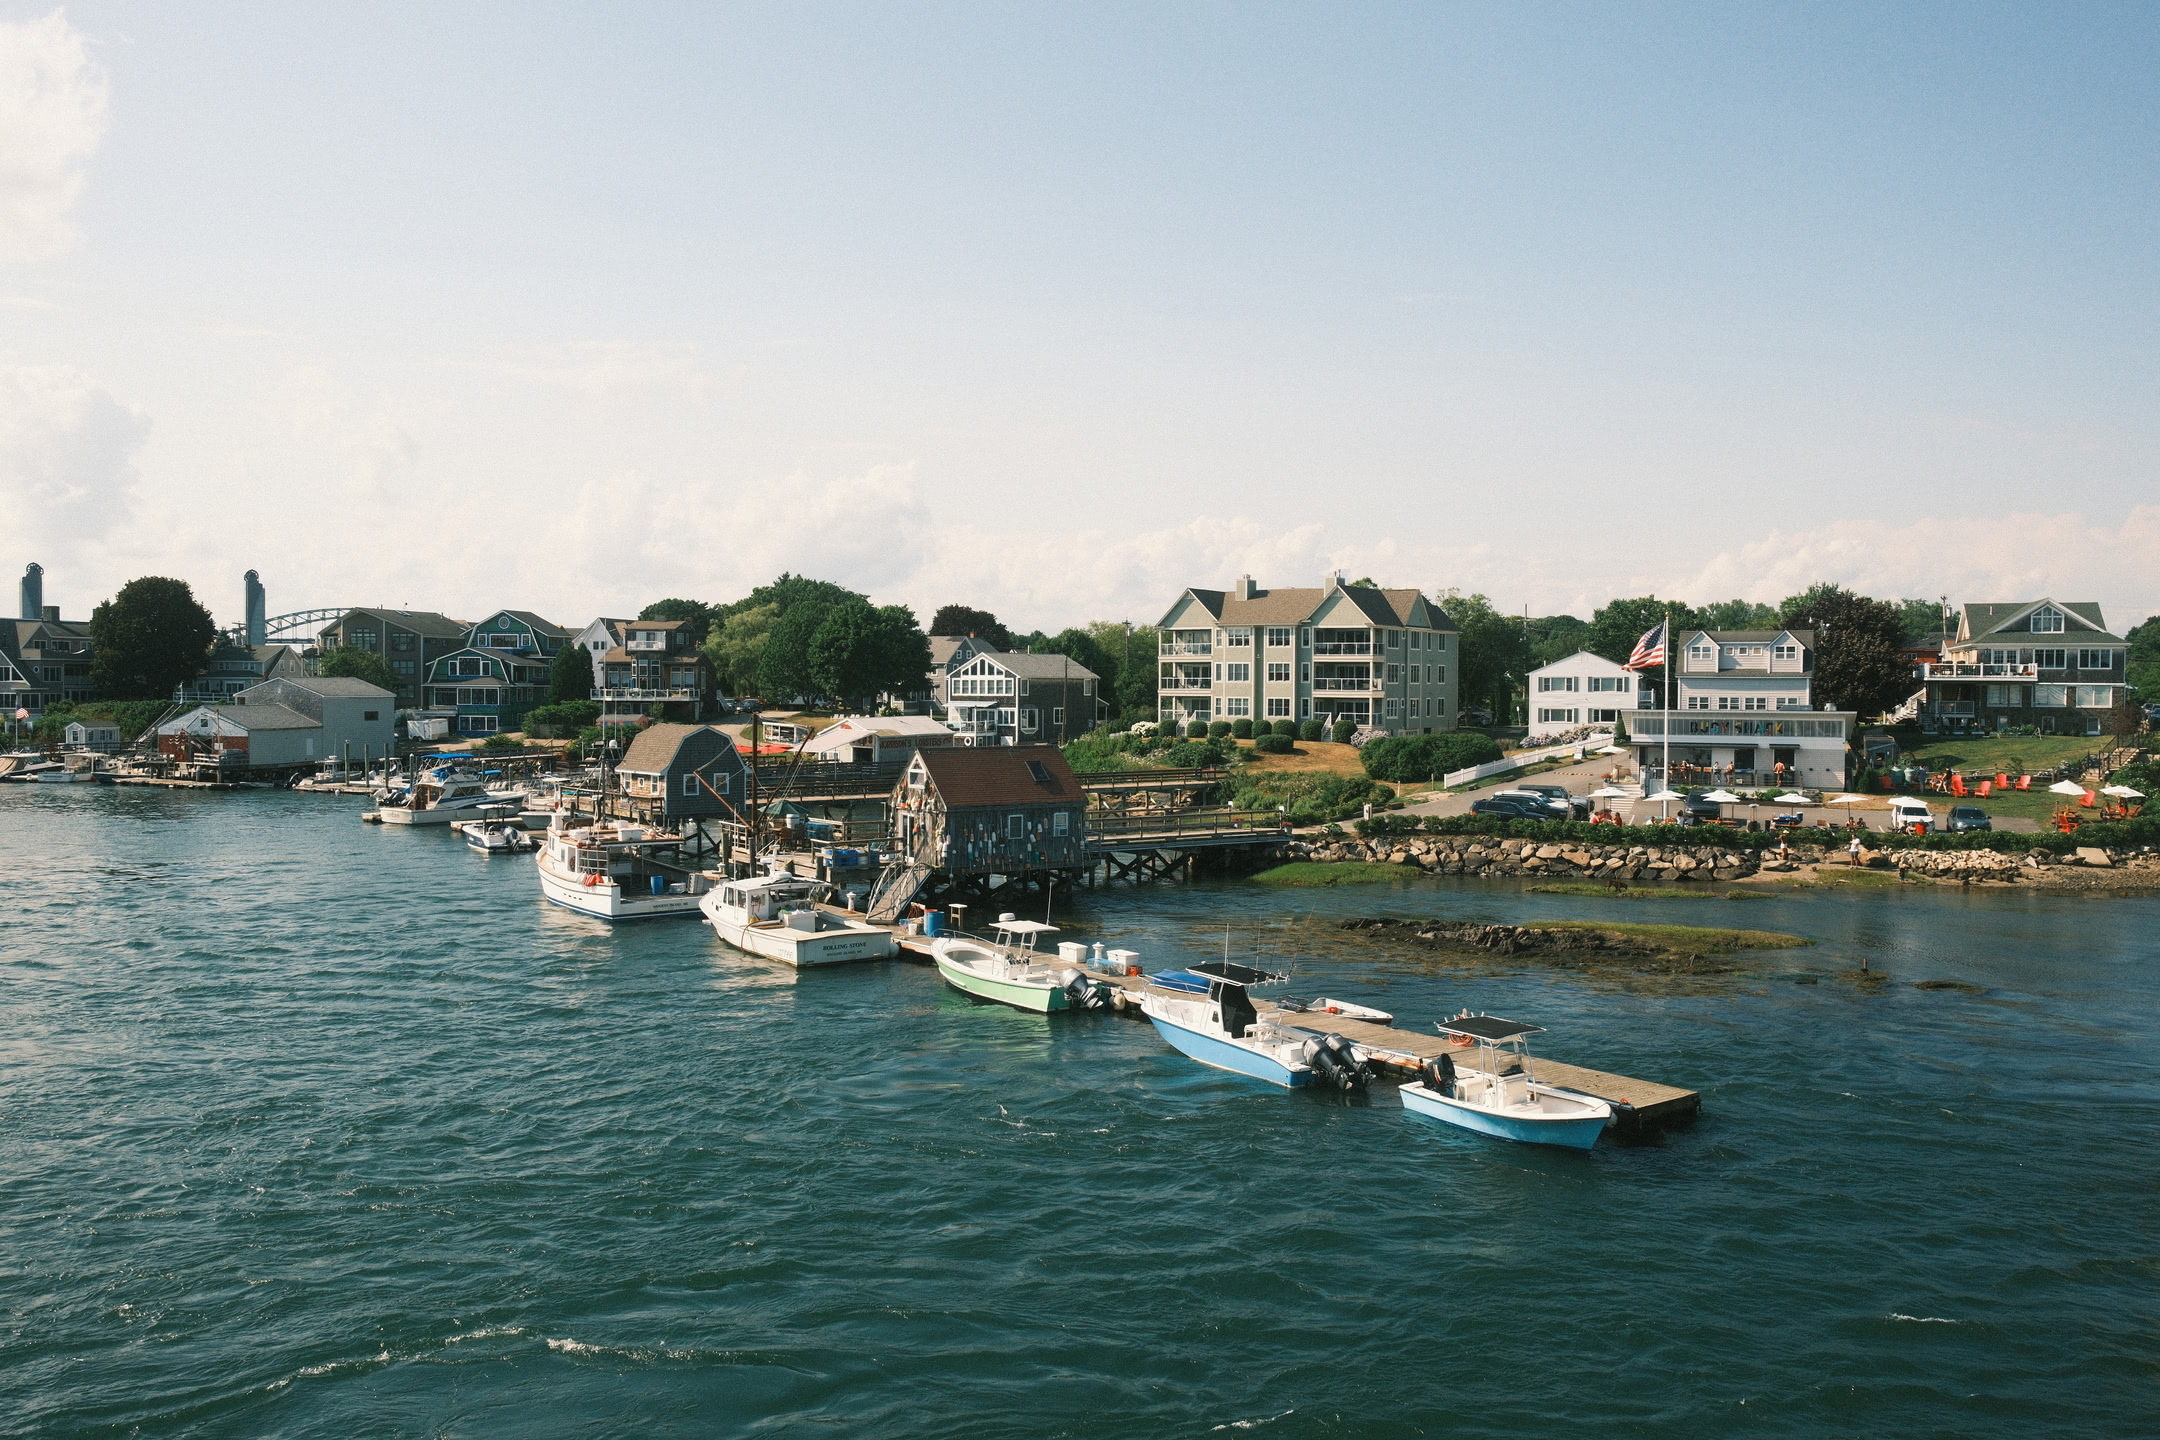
x=1333 y=1062
x=1081 y=992
x=1440 y=1074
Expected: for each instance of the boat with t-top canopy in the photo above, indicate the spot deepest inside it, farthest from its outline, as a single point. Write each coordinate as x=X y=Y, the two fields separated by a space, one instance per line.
x=1494 y=1092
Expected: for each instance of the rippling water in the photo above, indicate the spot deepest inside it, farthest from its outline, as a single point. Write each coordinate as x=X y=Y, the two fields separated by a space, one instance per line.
x=316 y=1128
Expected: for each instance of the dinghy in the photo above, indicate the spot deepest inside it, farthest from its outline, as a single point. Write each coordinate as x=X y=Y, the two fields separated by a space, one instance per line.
x=1493 y=1091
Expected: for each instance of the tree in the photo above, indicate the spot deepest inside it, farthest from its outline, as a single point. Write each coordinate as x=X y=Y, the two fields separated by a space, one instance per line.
x=859 y=651
x=1129 y=651
x=1858 y=666
x=735 y=644
x=1493 y=657
x=697 y=613
x=783 y=671
x=1737 y=615
x=1555 y=637
x=150 y=638
x=570 y=675
x=1615 y=629
x=967 y=620
x=2143 y=674
x=1082 y=648
x=358 y=665
x=1922 y=620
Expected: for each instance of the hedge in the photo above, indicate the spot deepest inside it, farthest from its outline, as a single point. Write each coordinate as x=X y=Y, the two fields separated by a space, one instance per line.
x=1344 y=729
x=1410 y=759
x=1218 y=730
x=2111 y=835
x=1241 y=728
x=1310 y=730
x=1273 y=744
x=1287 y=729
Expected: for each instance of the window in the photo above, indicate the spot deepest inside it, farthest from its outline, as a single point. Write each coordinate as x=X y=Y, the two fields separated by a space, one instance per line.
x=1698 y=702
x=1394 y=709
x=1239 y=638
x=690 y=784
x=1436 y=642
x=1304 y=709
x=1304 y=638
x=2096 y=659
x=2006 y=697
x=1278 y=674
x=1557 y=717
x=402 y=640
x=1278 y=707
x=365 y=639
x=1016 y=827
x=1028 y=720
x=2051 y=659
x=2046 y=621
x=1061 y=823
x=1414 y=640
x=1236 y=673
x=479 y=695
x=1604 y=717
x=1436 y=674
x=1558 y=682
x=1394 y=673
x=1757 y=702
x=1305 y=673
x=1236 y=705
x=1057 y=715
x=2095 y=697
x=1394 y=639
x=401 y=667
x=371 y=715
x=1439 y=707
x=1278 y=637
x=1701 y=653
x=2051 y=696
x=1786 y=652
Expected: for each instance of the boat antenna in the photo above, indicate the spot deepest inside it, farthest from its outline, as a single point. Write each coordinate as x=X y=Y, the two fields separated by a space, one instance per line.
x=1049 y=891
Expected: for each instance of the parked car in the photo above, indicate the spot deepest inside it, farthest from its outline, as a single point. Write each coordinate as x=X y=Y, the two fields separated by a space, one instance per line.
x=1909 y=815
x=1545 y=806
x=1578 y=805
x=1513 y=807
x=1967 y=817
x=1699 y=808
x=1475 y=717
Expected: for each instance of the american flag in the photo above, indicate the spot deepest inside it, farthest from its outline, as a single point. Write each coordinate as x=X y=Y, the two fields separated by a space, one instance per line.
x=1650 y=650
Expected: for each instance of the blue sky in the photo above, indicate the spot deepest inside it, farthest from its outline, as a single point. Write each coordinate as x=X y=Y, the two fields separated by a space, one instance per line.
x=1058 y=310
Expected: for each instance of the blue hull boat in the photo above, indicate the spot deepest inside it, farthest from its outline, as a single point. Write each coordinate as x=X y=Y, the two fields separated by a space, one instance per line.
x=1223 y=1055
x=1205 y=1013
x=1574 y=1132
x=1496 y=1094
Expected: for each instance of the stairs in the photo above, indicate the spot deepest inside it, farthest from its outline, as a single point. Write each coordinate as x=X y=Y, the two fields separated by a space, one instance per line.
x=897 y=885
x=1909 y=710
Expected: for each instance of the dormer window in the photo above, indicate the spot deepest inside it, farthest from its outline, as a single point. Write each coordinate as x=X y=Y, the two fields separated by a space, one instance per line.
x=1786 y=652
x=2047 y=621
x=1701 y=652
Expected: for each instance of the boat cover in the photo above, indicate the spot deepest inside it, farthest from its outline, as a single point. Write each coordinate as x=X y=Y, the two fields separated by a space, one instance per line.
x=1231 y=974
x=1488 y=1027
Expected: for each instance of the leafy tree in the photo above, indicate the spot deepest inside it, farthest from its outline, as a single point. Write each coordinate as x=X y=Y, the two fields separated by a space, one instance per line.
x=1616 y=627
x=1857 y=640
x=967 y=620
x=735 y=644
x=1555 y=637
x=570 y=675
x=1922 y=620
x=150 y=638
x=359 y=665
x=1494 y=657
x=783 y=671
x=859 y=650
x=2144 y=672
x=1414 y=759
x=1081 y=647
x=1736 y=615
x=696 y=612
x=1129 y=651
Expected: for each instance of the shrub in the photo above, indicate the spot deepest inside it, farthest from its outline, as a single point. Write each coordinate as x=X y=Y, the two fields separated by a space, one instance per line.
x=1273 y=744
x=1310 y=730
x=1197 y=730
x=1344 y=729
x=565 y=717
x=1619 y=731
x=497 y=744
x=1411 y=759
x=1307 y=798
x=1241 y=728
x=1285 y=728
x=1218 y=730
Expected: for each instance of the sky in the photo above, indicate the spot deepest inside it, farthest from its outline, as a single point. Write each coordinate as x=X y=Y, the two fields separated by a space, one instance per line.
x=1055 y=311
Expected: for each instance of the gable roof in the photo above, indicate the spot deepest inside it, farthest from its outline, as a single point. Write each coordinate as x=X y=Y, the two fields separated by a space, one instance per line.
x=1579 y=655
x=656 y=746
x=1978 y=622
x=1754 y=637
x=944 y=647
x=337 y=685
x=1000 y=775
x=420 y=622
x=1293 y=605
x=264 y=717
x=1039 y=667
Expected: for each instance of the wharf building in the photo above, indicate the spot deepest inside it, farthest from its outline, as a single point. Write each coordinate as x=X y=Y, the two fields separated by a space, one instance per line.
x=1382 y=659
x=1743 y=714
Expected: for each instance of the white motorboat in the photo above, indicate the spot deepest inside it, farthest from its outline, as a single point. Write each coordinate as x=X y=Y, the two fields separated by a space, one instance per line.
x=616 y=871
x=498 y=837
x=1007 y=969
x=774 y=916
x=1496 y=1094
x=1205 y=1012
x=445 y=794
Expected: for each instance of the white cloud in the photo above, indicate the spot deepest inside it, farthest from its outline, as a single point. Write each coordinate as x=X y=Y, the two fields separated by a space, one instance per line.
x=52 y=116
x=67 y=470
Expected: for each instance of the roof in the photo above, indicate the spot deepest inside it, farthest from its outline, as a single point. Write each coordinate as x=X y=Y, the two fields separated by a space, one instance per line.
x=639 y=624
x=859 y=731
x=267 y=717
x=1000 y=775
x=1755 y=637
x=1042 y=667
x=943 y=647
x=1294 y=605
x=421 y=622
x=1980 y=621
x=656 y=746
x=333 y=685
x=535 y=621
x=1488 y=1027
x=1578 y=655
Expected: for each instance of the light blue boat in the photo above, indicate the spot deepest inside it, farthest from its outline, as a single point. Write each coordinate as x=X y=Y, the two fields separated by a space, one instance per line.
x=1491 y=1097
x=1205 y=1013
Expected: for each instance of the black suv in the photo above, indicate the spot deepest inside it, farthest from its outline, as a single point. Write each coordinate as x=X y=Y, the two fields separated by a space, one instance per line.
x=1513 y=807
x=1699 y=808
x=1578 y=805
x=1967 y=817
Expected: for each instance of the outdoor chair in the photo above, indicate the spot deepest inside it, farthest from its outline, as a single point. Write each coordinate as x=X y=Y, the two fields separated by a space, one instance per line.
x=2024 y=782
x=1987 y=788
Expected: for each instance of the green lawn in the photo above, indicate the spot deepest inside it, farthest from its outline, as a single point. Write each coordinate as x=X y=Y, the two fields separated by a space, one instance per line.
x=2012 y=755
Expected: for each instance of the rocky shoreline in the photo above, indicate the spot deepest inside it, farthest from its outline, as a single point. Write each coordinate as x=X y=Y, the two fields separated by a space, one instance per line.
x=1490 y=857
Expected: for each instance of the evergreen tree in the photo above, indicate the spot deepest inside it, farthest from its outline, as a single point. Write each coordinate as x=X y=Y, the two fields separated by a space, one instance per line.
x=570 y=675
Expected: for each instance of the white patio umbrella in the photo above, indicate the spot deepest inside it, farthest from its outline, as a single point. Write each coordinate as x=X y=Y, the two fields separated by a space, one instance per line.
x=1722 y=798
x=1794 y=797
x=1661 y=797
x=2123 y=792
x=1614 y=792
x=2067 y=787
x=1611 y=750
x=1846 y=800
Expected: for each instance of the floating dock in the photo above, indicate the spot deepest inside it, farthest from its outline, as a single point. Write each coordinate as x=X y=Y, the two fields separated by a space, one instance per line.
x=1638 y=1105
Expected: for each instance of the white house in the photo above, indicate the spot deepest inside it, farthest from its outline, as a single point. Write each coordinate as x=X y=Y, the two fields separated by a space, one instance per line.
x=95 y=735
x=1019 y=699
x=1742 y=714
x=873 y=740
x=596 y=640
x=1583 y=689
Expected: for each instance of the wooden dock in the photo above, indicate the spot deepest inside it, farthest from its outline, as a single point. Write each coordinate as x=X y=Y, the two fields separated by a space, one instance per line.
x=1399 y=1054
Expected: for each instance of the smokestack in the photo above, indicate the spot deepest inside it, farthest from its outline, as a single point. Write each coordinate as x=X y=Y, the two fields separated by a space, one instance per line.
x=257 y=610
x=52 y=612
x=33 y=592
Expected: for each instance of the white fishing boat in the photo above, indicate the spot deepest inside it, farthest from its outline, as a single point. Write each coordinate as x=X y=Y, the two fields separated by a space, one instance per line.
x=1007 y=969
x=1205 y=1012
x=445 y=794
x=616 y=871
x=776 y=917
x=498 y=837
x=1494 y=1092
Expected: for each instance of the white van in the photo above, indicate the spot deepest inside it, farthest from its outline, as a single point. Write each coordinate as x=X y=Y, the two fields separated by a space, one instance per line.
x=1910 y=815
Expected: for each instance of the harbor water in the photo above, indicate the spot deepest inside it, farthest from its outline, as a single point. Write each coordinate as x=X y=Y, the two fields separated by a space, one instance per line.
x=311 y=1128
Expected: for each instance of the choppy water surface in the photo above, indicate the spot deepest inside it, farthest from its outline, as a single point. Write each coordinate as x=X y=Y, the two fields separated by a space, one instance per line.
x=313 y=1128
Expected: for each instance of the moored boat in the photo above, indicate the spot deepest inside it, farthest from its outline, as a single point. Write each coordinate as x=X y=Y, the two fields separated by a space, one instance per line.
x=1205 y=1012
x=498 y=837
x=1007 y=969
x=775 y=916
x=444 y=794
x=615 y=871
x=1493 y=1096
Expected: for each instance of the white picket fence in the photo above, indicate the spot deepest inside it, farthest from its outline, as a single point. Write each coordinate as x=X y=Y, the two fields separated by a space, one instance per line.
x=1519 y=760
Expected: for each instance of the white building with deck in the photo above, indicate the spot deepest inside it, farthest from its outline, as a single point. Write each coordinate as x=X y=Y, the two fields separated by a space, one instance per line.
x=1582 y=690
x=1743 y=714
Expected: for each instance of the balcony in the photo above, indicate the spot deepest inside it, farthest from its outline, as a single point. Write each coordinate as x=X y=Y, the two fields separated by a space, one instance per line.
x=1342 y=647
x=1345 y=686
x=641 y=693
x=1185 y=647
x=1957 y=670
x=1171 y=683
x=647 y=645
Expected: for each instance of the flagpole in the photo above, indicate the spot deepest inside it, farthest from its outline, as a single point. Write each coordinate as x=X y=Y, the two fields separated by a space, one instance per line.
x=1666 y=782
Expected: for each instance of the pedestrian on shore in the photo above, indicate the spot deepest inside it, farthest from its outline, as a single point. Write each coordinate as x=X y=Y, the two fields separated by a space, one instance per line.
x=1854 y=849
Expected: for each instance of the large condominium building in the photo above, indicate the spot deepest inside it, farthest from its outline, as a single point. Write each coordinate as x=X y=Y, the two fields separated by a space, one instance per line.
x=1383 y=658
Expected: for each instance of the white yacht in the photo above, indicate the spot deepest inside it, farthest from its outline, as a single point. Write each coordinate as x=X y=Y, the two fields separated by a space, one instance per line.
x=773 y=916
x=445 y=794
x=617 y=871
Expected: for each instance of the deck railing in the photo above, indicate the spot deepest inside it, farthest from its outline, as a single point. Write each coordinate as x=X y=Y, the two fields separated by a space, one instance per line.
x=1956 y=670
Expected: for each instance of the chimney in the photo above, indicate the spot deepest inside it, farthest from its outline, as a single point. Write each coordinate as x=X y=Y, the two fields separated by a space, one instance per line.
x=33 y=592
x=257 y=610
x=1245 y=588
x=49 y=612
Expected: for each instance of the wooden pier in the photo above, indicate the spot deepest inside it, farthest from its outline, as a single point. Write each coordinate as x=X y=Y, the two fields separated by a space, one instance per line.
x=1638 y=1105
